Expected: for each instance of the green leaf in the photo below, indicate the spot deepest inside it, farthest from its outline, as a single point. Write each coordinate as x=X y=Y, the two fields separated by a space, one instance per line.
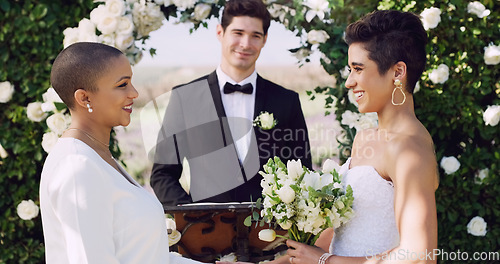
x=5 y=5
x=248 y=221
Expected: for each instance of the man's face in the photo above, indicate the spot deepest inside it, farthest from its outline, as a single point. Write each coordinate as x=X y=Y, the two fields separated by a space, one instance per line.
x=241 y=43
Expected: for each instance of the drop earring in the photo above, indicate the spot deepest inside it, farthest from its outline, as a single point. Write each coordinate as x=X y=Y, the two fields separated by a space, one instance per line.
x=399 y=86
x=89 y=108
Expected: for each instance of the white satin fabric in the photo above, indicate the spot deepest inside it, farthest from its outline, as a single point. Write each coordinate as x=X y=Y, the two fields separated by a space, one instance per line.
x=373 y=228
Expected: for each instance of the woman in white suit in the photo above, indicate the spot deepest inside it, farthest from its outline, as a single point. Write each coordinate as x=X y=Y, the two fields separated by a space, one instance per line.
x=92 y=210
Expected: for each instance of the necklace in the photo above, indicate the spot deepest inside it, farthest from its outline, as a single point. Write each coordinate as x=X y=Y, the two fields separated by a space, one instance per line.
x=89 y=136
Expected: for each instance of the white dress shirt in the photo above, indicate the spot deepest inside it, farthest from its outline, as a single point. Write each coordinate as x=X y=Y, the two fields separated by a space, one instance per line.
x=239 y=105
x=92 y=214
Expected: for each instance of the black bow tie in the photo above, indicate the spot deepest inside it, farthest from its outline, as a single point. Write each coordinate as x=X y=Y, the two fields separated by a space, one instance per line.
x=231 y=88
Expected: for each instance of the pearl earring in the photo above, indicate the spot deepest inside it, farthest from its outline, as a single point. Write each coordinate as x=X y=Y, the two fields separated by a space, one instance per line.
x=89 y=108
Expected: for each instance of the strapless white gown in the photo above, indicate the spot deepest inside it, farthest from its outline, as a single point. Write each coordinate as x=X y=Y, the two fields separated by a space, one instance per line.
x=373 y=229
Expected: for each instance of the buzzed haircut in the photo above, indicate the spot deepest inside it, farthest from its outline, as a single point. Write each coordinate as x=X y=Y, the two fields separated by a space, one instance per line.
x=390 y=36
x=79 y=66
x=251 y=8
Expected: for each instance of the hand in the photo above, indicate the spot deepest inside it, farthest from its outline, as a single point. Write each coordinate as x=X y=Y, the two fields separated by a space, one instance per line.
x=303 y=254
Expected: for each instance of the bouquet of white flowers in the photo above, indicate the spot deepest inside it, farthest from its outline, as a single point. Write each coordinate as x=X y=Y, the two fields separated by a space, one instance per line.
x=303 y=202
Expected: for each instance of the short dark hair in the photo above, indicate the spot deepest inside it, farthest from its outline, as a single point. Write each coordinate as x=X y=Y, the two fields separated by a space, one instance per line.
x=79 y=66
x=390 y=36
x=251 y=8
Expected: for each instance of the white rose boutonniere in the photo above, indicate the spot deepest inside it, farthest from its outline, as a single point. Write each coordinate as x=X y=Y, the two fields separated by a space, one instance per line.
x=450 y=164
x=265 y=121
x=27 y=210
x=6 y=91
x=492 y=115
x=477 y=226
x=173 y=235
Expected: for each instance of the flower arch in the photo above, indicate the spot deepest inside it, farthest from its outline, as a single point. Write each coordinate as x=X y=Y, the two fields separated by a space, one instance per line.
x=457 y=96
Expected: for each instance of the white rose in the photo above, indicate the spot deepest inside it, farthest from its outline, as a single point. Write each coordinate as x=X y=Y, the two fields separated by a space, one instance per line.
x=97 y=14
x=286 y=194
x=71 y=35
x=294 y=168
x=481 y=175
x=58 y=122
x=3 y=152
x=108 y=24
x=365 y=121
x=317 y=36
x=49 y=139
x=231 y=257
x=27 y=210
x=267 y=235
x=477 y=9
x=440 y=75
x=430 y=17
x=125 y=25
x=184 y=4
x=349 y=118
x=477 y=226
x=85 y=26
x=266 y=120
x=123 y=42
x=344 y=73
x=49 y=98
x=6 y=91
x=492 y=54
x=147 y=17
x=201 y=11
x=35 y=112
x=450 y=164
x=115 y=7
x=330 y=165
x=108 y=39
x=492 y=115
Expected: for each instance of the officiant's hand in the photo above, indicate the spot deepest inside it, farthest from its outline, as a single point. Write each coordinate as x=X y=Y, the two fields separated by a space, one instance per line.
x=300 y=253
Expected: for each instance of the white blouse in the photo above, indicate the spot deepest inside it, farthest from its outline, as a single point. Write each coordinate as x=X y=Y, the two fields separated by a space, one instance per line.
x=92 y=214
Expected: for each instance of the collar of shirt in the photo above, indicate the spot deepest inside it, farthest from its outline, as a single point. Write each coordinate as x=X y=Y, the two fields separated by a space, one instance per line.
x=223 y=78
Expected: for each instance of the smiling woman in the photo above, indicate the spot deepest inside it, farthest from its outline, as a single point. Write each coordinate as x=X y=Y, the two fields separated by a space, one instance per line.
x=87 y=199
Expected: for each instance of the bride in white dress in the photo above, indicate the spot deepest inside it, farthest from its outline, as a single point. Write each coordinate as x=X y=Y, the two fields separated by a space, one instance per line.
x=392 y=169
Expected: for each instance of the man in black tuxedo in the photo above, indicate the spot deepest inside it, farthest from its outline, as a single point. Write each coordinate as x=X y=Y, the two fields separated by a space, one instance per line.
x=209 y=121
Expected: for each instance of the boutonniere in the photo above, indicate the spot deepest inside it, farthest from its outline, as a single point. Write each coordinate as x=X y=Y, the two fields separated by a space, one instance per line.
x=265 y=121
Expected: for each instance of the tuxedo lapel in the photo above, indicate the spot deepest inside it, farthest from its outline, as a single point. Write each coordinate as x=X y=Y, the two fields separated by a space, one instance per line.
x=213 y=83
x=260 y=97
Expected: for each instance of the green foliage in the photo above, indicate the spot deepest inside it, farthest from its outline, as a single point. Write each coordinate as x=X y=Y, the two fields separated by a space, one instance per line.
x=31 y=37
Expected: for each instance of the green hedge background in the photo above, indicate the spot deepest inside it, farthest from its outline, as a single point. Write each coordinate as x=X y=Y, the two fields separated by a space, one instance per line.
x=31 y=36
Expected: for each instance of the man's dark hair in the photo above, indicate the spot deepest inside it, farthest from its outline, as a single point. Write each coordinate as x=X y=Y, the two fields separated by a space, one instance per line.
x=79 y=66
x=251 y=8
x=390 y=36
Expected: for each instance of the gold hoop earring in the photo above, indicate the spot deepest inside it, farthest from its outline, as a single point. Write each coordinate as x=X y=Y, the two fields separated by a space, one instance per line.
x=399 y=86
x=89 y=108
